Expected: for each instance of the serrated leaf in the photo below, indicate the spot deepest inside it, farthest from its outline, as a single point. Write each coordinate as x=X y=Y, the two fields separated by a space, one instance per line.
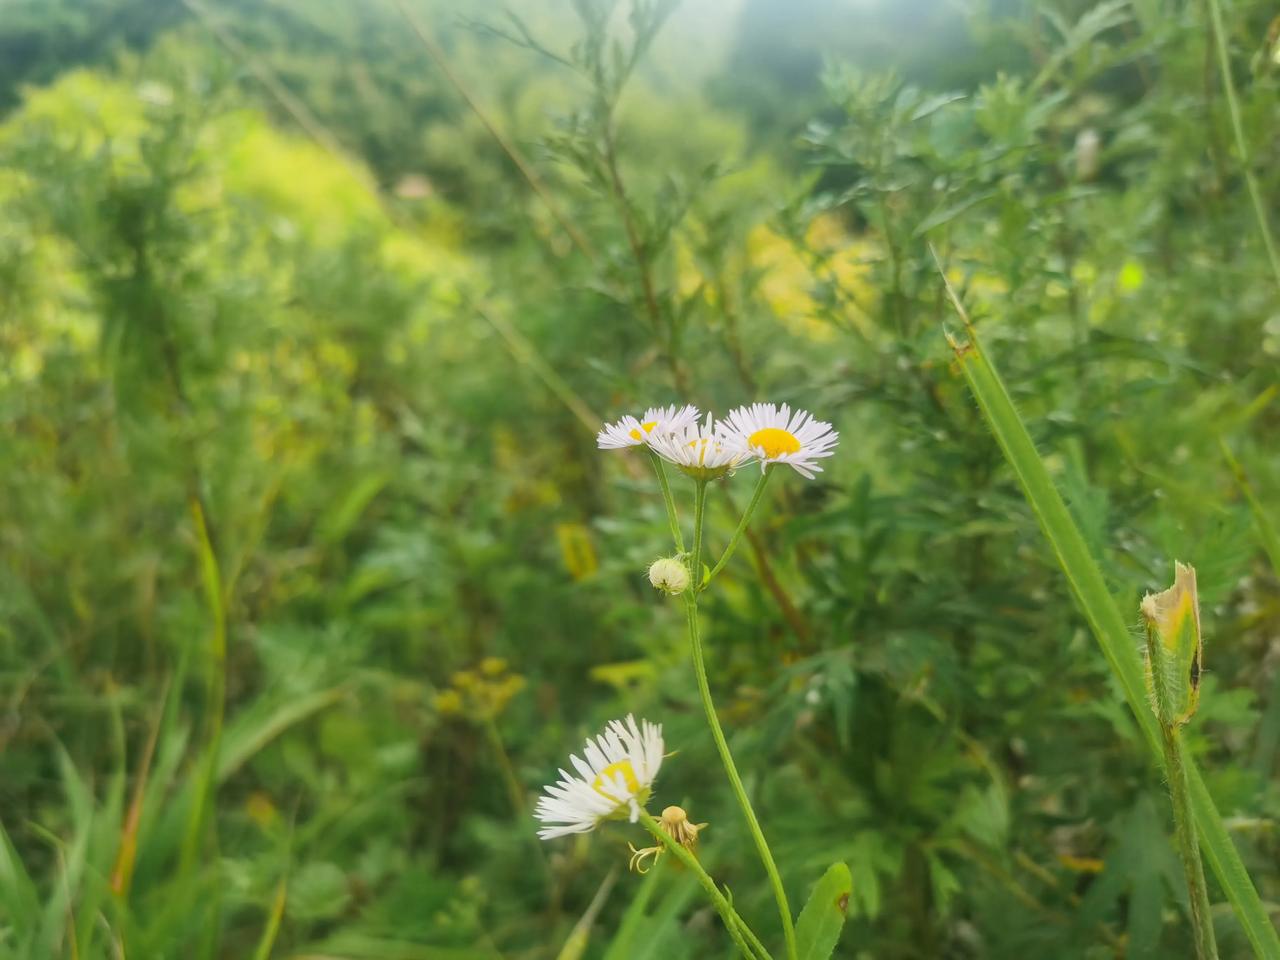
x=822 y=918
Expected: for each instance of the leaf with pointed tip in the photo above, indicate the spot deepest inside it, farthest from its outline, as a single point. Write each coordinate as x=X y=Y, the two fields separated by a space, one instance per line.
x=822 y=919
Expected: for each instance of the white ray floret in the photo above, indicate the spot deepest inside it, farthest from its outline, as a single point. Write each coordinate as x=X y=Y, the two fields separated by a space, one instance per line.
x=616 y=773
x=633 y=432
x=699 y=450
x=773 y=434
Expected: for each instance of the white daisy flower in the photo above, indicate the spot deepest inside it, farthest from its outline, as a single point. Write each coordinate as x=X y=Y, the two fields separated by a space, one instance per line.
x=700 y=450
x=630 y=432
x=774 y=434
x=616 y=779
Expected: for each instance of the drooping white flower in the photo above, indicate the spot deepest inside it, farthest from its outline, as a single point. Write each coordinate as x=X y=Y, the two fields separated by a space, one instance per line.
x=630 y=432
x=616 y=773
x=773 y=434
x=700 y=450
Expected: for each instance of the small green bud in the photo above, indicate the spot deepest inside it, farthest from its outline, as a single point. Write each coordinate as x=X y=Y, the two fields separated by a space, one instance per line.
x=669 y=575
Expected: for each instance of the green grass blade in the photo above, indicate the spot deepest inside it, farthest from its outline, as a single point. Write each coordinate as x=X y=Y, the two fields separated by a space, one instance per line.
x=272 y=929
x=576 y=946
x=251 y=732
x=1267 y=532
x=1108 y=624
x=19 y=896
x=211 y=578
x=641 y=935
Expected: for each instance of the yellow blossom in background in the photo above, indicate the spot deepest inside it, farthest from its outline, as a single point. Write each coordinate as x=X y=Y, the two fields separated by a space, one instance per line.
x=790 y=282
x=465 y=680
x=526 y=488
x=449 y=703
x=625 y=676
x=481 y=694
x=260 y=809
x=576 y=550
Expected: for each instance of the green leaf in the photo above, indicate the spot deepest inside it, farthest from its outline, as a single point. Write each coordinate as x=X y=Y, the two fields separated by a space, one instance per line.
x=1109 y=625
x=822 y=918
x=319 y=891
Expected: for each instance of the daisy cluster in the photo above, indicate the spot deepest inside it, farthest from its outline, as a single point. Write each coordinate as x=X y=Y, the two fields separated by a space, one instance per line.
x=707 y=448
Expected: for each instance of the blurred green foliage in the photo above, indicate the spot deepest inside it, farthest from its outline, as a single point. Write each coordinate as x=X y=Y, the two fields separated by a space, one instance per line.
x=312 y=575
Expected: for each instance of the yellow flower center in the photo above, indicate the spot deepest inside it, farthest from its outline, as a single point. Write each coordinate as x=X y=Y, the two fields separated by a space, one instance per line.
x=646 y=427
x=610 y=774
x=774 y=441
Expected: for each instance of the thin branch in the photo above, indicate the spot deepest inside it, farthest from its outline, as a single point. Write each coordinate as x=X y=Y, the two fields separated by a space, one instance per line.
x=437 y=55
x=526 y=353
x=643 y=266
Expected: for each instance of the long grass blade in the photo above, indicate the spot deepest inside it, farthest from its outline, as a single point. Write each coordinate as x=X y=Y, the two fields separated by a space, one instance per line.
x=272 y=929
x=1104 y=617
x=211 y=578
x=1266 y=527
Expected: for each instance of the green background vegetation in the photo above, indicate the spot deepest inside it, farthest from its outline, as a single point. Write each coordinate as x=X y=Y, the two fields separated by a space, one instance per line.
x=311 y=575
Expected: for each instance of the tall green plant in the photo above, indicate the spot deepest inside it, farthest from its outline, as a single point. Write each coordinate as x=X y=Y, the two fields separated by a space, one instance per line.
x=1104 y=616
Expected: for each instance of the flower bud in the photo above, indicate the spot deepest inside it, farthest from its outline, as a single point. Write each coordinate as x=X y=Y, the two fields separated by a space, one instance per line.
x=1088 y=144
x=669 y=575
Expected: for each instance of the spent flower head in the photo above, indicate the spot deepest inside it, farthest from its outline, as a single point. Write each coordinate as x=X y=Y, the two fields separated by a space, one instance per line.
x=773 y=434
x=676 y=824
x=632 y=432
x=615 y=778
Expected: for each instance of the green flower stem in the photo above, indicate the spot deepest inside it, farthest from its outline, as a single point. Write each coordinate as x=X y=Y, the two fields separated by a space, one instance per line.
x=672 y=517
x=717 y=734
x=736 y=926
x=1185 y=835
x=742 y=524
x=699 y=509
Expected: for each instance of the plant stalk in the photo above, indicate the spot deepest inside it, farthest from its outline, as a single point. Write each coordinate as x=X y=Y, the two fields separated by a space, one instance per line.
x=672 y=517
x=717 y=734
x=1185 y=836
x=736 y=926
x=742 y=524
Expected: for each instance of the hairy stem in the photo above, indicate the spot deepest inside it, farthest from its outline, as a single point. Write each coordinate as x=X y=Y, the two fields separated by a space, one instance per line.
x=1185 y=836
